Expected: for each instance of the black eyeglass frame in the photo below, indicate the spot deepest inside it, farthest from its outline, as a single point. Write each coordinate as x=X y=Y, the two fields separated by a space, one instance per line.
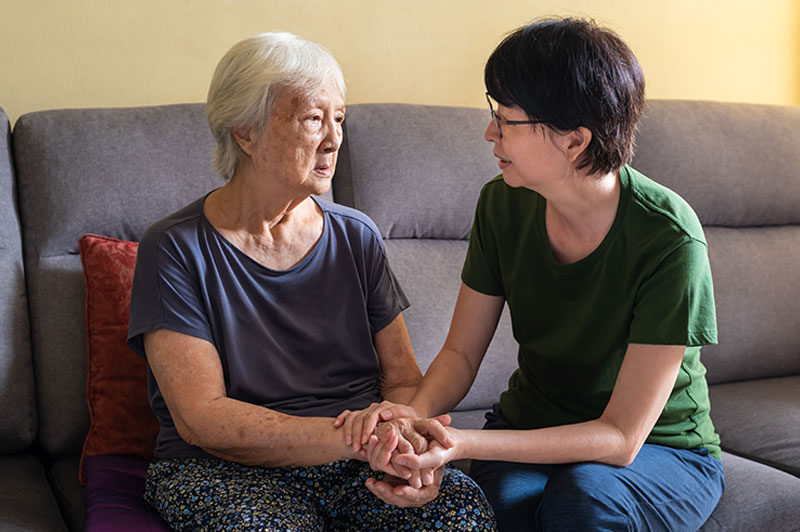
x=505 y=121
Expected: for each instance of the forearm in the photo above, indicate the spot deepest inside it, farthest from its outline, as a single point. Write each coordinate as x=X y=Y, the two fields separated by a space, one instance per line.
x=592 y=441
x=249 y=434
x=400 y=394
x=446 y=382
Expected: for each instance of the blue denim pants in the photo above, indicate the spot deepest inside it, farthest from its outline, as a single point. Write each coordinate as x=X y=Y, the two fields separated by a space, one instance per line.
x=663 y=489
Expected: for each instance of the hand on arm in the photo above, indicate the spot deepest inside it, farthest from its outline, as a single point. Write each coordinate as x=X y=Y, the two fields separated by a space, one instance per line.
x=189 y=375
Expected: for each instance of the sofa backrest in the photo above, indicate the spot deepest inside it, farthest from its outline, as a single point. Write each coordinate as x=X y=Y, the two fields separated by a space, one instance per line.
x=417 y=172
x=17 y=396
x=105 y=171
x=738 y=165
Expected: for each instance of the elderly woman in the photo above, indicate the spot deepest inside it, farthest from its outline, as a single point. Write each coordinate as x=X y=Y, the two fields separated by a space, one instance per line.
x=605 y=424
x=263 y=312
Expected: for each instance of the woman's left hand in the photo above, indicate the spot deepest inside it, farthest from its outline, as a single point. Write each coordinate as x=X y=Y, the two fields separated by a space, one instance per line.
x=396 y=491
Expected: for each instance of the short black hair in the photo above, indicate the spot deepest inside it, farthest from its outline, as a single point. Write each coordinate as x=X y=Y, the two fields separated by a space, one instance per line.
x=570 y=73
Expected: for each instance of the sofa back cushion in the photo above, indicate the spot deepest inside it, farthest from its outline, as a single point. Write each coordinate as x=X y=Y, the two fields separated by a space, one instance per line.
x=17 y=396
x=738 y=165
x=105 y=171
x=417 y=172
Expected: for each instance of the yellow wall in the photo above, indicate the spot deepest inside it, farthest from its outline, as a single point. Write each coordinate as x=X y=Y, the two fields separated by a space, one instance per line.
x=95 y=53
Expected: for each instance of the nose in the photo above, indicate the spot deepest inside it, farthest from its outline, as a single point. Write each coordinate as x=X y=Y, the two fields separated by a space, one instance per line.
x=491 y=133
x=333 y=137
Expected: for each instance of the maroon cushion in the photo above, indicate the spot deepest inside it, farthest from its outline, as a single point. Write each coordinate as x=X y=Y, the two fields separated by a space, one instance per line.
x=114 y=503
x=122 y=422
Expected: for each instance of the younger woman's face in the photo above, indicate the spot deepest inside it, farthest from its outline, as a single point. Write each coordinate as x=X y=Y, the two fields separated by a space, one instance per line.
x=528 y=155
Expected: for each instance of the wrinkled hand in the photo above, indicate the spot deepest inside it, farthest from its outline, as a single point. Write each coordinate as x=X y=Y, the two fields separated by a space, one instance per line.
x=407 y=437
x=437 y=455
x=359 y=426
x=392 y=490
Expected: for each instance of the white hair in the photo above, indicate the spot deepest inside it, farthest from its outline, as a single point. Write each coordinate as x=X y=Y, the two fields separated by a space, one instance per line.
x=248 y=79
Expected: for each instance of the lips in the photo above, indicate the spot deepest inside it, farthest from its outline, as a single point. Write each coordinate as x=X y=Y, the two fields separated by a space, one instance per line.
x=324 y=170
x=502 y=163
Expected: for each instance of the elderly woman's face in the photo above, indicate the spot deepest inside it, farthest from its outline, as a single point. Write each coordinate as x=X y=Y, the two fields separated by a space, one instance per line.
x=301 y=140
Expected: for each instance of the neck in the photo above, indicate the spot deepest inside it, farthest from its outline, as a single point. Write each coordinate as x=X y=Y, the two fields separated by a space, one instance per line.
x=584 y=203
x=257 y=206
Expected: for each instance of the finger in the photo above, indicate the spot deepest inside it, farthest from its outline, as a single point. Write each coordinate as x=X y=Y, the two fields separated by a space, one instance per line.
x=414 y=480
x=397 y=411
x=369 y=425
x=348 y=429
x=384 y=492
x=422 y=461
x=415 y=497
x=340 y=418
x=403 y=445
x=382 y=454
x=433 y=429
x=355 y=431
x=418 y=442
x=426 y=475
x=444 y=419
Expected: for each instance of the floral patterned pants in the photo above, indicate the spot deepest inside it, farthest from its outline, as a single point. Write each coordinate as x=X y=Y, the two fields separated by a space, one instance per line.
x=209 y=494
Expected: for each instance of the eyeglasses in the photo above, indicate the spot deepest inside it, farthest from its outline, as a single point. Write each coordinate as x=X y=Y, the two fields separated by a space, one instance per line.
x=501 y=121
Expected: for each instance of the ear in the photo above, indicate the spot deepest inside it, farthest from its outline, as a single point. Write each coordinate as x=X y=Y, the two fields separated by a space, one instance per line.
x=576 y=142
x=244 y=138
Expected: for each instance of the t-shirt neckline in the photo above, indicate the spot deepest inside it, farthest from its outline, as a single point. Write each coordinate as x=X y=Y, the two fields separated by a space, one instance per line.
x=313 y=252
x=597 y=254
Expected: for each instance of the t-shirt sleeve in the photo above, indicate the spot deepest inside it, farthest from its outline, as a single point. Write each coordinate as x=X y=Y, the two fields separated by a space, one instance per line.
x=481 y=270
x=675 y=306
x=385 y=297
x=166 y=293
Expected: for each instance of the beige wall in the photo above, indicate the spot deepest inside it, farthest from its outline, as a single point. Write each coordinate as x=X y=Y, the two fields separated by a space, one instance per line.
x=95 y=53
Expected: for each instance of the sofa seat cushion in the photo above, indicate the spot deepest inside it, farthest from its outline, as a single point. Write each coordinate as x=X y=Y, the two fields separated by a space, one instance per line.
x=759 y=420
x=114 y=488
x=757 y=497
x=68 y=491
x=26 y=501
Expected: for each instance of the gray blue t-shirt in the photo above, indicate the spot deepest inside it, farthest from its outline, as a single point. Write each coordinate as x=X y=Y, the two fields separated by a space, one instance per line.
x=298 y=341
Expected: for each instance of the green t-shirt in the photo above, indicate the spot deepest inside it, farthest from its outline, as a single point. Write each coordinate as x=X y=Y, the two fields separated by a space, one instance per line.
x=648 y=282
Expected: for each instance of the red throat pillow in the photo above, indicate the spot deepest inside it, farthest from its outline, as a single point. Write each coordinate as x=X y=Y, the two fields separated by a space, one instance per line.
x=122 y=422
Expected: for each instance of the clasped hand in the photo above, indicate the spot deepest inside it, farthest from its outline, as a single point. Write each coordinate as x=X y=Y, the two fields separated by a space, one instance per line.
x=411 y=450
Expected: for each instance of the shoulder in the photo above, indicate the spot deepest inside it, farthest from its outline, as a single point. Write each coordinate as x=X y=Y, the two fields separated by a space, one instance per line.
x=656 y=205
x=349 y=221
x=176 y=231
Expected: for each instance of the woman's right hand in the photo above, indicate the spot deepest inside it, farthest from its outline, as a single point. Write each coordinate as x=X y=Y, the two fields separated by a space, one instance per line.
x=358 y=426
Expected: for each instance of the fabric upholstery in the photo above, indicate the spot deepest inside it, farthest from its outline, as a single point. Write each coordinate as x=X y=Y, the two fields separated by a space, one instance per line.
x=26 y=502
x=122 y=422
x=18 y=420
x=69 y=494
x=415 y=170
x=736 y=164
x=429 y=272
x=760 y=420
x=756 y=498
x=756 y=290
x=105 y=171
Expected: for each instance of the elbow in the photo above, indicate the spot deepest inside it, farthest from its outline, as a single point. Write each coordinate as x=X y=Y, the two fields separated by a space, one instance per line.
x=624 y=447
x=624 y=458
x=187 y=434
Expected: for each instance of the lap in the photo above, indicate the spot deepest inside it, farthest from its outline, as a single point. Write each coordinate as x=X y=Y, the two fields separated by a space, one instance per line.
x=223 y=495
x=202 y=494
x=663 y=489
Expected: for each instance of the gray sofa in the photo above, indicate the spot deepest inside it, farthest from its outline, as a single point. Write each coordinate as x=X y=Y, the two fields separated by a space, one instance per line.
x=417 y=171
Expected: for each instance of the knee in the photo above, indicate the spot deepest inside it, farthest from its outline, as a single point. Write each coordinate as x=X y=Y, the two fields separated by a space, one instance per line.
x=582 y=497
